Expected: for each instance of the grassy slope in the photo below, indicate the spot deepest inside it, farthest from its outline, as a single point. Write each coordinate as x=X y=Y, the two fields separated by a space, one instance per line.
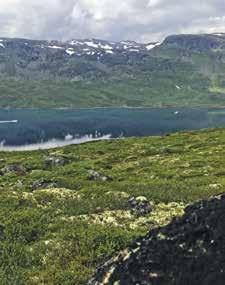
x=58 y=236
x=153 y=82
x=139 y=92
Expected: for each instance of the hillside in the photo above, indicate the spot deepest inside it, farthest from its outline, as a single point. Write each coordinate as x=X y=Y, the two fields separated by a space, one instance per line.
x=188 y=251
x=182 y=70
x=66 y=211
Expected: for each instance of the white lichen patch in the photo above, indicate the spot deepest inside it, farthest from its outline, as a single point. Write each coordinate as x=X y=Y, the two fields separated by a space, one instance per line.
x=107 y=217
x=161 y=215
x=60 y=193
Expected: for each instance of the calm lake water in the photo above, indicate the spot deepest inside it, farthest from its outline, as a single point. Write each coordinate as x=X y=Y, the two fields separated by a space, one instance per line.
x=60 y=127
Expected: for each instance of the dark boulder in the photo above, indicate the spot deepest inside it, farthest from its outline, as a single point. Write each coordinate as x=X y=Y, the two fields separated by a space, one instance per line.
x=190 y=250
x=140 y=206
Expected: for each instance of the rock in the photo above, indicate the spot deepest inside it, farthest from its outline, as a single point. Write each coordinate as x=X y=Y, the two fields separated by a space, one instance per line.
x=44 y=184
x=140 y=206
x=19 y=184
x=14 y=168
x=93 y=175
x=190 y=250
x=56 y=161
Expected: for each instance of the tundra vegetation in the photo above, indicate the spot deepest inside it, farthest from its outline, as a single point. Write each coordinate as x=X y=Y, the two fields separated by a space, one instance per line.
x=65 y=211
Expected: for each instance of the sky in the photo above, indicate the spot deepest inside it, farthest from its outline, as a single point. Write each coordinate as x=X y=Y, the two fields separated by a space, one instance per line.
x=114 y=20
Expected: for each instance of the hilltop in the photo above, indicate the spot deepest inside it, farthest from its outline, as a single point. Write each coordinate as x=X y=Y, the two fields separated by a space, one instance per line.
x=66 y=211
x=182 y=70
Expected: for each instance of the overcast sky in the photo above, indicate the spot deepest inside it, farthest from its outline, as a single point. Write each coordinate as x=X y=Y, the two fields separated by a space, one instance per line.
x=139 y=20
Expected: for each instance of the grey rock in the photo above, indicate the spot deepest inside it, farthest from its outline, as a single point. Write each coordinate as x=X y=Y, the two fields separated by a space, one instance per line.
x=56 y=161
x=93 y=175
x=140 y=206
x=14 y=168
x=44 y=184
x=19 y=184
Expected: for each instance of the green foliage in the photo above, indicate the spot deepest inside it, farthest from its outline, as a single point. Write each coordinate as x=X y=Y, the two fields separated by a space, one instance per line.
x=150 y=83
x=59 y=236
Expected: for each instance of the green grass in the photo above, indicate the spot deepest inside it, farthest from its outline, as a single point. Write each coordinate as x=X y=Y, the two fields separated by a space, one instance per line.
x=59 y=236
x=145 y=90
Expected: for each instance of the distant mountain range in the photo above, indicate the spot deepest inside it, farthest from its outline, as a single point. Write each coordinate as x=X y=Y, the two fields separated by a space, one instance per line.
x=182 y=70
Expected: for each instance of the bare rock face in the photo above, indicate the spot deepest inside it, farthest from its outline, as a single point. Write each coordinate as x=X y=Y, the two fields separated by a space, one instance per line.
x=190 y=251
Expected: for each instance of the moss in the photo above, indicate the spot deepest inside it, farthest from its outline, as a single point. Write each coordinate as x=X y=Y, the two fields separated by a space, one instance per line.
x=80 y=224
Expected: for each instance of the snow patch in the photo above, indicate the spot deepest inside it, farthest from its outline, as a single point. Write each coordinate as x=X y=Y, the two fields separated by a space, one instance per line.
x=151 y=46
x=55 y=47
x=1 y=45
x=107 y=47
x=91 y=44
x=219 y=34
x=133 y=49
x=70 y=51
x=75 y=42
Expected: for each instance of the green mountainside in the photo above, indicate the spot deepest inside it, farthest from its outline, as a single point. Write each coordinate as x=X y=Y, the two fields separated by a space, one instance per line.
x=183 y=70
x=65 y=211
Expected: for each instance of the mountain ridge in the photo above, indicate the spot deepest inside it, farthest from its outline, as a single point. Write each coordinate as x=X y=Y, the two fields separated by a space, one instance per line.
x=183 y=70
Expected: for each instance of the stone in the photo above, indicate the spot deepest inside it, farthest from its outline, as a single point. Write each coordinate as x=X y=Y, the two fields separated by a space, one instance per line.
x=189 y=250
x=93 y=175
x=14 y=168
x=140 y=206
x=44 y=184
x=56 y=161
x=19 y=184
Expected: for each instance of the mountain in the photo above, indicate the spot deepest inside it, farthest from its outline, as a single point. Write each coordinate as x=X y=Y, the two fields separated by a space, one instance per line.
x=30 y=59
x=182 y=70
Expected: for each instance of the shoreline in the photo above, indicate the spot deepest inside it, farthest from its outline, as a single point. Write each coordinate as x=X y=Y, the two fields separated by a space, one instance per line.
x=113 y=107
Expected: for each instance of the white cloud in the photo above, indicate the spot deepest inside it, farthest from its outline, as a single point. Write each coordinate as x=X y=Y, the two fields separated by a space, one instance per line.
x=142 y=20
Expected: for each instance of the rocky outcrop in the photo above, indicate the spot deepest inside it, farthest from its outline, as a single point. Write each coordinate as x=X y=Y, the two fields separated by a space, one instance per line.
x=200 y=43
x=190 y=250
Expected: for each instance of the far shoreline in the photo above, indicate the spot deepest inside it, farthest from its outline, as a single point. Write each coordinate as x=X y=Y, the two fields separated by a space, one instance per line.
x=114 y=107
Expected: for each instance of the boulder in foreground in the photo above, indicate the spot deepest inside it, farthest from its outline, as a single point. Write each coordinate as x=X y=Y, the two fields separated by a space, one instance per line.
x=190 y=250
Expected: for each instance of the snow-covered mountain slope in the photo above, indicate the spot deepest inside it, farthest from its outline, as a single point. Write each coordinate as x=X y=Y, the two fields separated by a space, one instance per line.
x=91 y=59
x=88 y=47
x=91 y=47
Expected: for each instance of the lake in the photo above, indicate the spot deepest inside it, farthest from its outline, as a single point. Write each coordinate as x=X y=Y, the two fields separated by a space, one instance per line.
x=57 y=127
